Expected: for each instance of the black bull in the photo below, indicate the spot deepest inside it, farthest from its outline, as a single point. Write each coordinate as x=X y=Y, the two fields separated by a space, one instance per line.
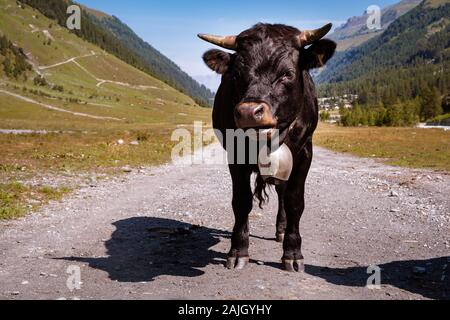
x=266 y=84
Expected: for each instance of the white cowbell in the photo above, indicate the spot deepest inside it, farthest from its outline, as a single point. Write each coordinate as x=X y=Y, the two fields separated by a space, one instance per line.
x=276 y=167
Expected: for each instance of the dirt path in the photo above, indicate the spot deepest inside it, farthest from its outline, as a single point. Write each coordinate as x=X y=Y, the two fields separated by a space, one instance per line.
x=100 y=82
x=73 y=59
x=47 y=106
x=137 y=238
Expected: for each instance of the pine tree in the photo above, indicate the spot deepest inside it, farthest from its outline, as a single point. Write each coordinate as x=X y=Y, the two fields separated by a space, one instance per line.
x=431 y=105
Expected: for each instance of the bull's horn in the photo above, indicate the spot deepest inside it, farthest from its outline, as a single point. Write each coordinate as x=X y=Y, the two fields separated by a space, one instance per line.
x=228 y=42
x=307 y=37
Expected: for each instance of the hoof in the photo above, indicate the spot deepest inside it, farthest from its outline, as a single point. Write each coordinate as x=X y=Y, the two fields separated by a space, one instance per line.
x=279 y=237
x=294 y=265
x=237 y=263
x=231 y=262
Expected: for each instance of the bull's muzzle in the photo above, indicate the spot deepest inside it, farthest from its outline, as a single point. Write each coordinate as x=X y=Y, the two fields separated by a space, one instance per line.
x=254 y=115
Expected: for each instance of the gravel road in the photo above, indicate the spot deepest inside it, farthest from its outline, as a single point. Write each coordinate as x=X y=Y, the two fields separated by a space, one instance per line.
x=163 y=233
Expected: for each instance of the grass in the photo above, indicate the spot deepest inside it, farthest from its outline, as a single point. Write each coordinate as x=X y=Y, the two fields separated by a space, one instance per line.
x=149 y=113
x=15 y=23
x=68 y=154
x=16 y=199
x=25 y=156
x=111 y=68
x=406 y=147
x=84 y=151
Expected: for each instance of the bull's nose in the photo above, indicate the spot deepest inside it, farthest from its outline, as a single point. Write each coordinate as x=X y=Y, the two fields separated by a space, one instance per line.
x=254 y=115
x=258 y=113
x=237 y=114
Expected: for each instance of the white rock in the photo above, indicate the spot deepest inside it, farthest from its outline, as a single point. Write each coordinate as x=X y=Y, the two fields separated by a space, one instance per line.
x=393 y=194
x=127 y=169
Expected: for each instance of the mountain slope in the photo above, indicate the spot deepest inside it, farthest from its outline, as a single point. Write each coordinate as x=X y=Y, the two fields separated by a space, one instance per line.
x=99 y=34
x=160 y=65
x=355 y=32
x=74 y=84
x=72 y=113
x=414 y=52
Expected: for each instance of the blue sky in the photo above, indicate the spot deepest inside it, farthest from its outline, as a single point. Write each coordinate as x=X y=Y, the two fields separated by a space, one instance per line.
x=171 y=25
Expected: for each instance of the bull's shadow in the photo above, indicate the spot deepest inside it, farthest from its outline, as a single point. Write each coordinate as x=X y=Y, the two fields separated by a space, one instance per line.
x=433 y=283
x=141 y=249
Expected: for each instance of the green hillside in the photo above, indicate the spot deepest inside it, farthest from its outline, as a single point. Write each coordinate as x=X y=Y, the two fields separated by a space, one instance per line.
x=79 y=111
x=159 y=64
x=116 y=38
x=90 y=77
x=89 y=96
x=402 y=65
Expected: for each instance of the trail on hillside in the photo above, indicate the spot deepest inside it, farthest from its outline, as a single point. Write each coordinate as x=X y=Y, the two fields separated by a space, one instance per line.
x=164 y=232
x=100 y=81
x=50 y=107
x=73 y=59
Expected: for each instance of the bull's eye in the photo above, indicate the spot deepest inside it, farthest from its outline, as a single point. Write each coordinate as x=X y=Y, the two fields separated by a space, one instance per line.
x=285 y=78
x=289 y=76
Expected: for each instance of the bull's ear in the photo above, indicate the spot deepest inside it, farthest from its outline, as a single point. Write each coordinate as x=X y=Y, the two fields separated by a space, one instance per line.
x=318 y=54
x=217 y=60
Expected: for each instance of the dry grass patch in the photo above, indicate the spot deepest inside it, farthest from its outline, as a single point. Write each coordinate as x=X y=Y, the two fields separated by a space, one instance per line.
x=16 y=199
x=407 y=147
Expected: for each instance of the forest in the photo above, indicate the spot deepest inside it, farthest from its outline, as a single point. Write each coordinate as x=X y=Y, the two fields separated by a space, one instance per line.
x=400 y=114
x=402 y=73
x=12 y=59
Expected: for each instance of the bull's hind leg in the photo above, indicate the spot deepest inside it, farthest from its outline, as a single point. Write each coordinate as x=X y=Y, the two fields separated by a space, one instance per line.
x=281 y=217
x=295 y=205
x=238 y=257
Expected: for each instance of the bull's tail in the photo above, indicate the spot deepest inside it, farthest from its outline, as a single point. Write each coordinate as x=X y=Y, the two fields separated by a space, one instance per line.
x=260 y=193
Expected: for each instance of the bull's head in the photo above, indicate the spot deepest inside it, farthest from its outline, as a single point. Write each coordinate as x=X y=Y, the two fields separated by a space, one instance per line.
x=267 y=67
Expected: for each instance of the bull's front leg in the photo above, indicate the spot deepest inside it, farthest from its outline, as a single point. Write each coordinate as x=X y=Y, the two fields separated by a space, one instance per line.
x=294 y=202
x=238 y=257
x=281 y=216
